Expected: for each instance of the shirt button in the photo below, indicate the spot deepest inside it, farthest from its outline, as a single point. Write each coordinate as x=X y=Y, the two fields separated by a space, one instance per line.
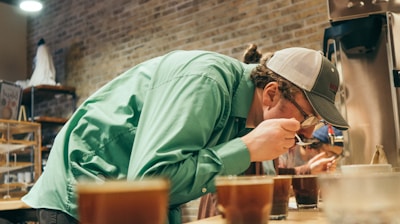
x=204 y=190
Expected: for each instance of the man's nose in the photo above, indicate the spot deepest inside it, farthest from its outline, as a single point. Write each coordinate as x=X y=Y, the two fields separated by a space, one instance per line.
x=307 y=132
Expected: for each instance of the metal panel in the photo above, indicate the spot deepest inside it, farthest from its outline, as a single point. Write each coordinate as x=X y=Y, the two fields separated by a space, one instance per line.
x=366 y=101
x=350 y=9
x=393 y=45
x=394 y=35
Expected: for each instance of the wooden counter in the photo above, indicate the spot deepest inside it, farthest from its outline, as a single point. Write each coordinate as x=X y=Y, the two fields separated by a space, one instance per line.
x=309 y=216
x=16 y=211
x=294 y=217
x=12 y=204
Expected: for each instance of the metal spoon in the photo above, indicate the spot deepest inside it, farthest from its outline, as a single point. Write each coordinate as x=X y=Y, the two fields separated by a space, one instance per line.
x=300 y=141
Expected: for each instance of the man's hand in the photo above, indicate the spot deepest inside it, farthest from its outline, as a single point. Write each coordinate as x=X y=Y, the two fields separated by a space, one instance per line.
x=320 y=163
x=271 y=138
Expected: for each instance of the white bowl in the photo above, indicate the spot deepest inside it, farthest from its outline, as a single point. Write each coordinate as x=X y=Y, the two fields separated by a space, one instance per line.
x=365 y=168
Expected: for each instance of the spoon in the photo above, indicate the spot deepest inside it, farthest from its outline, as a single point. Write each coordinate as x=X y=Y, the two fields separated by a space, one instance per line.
x=300 y=141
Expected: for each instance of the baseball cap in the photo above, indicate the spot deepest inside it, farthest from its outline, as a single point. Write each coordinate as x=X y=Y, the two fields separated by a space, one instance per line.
x=322 y=135
x=315 y=75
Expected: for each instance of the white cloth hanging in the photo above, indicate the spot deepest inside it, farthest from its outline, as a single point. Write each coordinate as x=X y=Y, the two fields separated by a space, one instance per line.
x=44 y=73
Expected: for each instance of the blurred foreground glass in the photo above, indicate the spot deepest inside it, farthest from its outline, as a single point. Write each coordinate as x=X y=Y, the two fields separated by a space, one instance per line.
x=141 y=201
x=361 y=198
x=280 y=201
x=306 y=191
x=366 y=168
x=245 y=199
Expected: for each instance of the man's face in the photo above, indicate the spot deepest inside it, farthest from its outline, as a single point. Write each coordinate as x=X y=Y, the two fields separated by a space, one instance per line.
x=332 y=150
x=309 y=152
x=286 y=109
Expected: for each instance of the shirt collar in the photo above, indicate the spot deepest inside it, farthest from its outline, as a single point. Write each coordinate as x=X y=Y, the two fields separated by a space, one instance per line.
x=244 y=94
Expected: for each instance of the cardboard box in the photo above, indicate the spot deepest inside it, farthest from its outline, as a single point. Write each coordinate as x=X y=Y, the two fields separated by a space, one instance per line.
x=10 y=100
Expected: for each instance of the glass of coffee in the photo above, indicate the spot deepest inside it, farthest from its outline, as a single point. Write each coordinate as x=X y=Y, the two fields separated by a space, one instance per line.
x=280 y=202
x=142 y=201
x=306 y=191
x=245 y=199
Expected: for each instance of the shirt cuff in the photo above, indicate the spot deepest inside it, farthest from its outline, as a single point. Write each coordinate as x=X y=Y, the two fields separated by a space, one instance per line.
x=235 y=157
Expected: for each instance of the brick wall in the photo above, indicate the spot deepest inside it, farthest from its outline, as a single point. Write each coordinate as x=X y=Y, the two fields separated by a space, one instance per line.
x=94 y=41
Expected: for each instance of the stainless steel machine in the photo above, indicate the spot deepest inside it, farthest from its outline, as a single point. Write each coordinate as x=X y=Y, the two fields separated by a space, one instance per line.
x=364 y=42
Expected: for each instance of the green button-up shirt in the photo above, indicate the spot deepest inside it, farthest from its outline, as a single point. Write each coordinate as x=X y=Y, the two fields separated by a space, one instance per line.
x=176 y=116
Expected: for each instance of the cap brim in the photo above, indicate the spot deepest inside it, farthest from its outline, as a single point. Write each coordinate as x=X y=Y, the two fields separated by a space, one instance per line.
x=327 y=111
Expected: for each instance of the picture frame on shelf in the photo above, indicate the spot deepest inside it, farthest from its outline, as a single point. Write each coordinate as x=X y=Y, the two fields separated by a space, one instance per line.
x=10 y=100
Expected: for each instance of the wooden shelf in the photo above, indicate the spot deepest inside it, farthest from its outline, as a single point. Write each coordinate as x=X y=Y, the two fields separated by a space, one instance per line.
x=17 y=127
x=4 y=148
x=13 y=166
x=48 y=106
x=52 y=120
x=20 y=143
x=13 y=186
x=44 y=93
x=45 y=148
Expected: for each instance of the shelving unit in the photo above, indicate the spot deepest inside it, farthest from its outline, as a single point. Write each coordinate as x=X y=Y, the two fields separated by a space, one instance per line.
x=51 y=106
x=20 y=157
x=35 y=95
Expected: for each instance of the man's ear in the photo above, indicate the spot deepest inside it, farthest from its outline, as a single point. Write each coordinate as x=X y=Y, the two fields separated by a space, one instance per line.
x=271 y=94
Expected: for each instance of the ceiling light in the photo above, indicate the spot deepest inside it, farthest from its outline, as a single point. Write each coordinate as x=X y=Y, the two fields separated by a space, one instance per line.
x=31 y=5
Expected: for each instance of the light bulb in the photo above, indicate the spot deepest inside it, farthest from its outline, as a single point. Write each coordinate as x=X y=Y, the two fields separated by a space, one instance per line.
x=31 y=6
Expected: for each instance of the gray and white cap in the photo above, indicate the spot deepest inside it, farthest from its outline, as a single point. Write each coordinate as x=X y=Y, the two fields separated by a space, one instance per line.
x=315 y=75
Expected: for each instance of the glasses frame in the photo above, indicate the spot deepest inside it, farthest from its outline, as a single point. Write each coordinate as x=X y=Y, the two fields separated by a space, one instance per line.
x=316 y=145
x=309 y=119
x=288 y=90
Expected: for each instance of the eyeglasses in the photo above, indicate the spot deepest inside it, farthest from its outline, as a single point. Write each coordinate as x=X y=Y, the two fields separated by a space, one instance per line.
x=309 y=120
x=315 y=145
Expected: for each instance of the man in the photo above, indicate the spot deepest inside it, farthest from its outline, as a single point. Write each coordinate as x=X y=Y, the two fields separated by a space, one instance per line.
x=320 y=156
x=330 y=140
x=178 y=116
